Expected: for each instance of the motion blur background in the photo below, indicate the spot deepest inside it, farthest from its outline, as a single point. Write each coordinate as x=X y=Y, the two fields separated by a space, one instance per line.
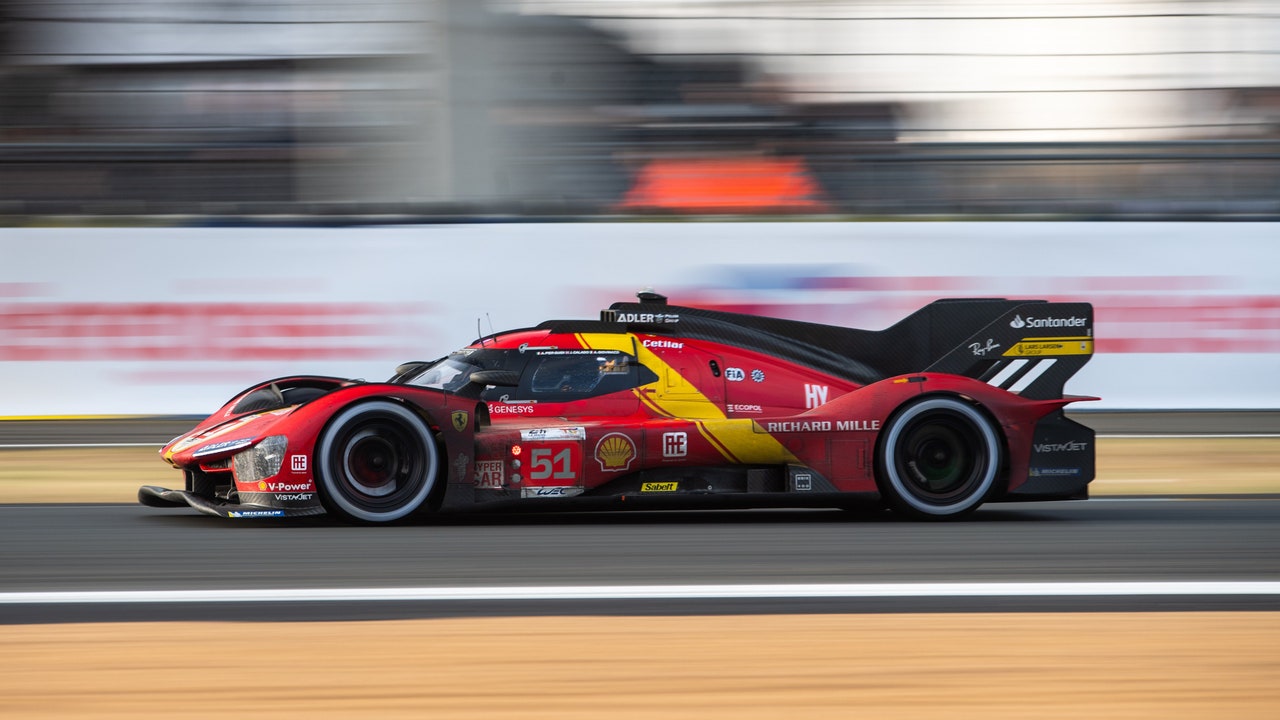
x=200 y=194
x=1161 y=108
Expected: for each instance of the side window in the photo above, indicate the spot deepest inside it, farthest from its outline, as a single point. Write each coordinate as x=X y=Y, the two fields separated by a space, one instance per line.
x=573 y=374
x=569 y=375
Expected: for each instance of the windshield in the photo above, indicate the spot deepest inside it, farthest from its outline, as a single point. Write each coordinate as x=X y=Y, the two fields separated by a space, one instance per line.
x=450 y=373
x=454 y=372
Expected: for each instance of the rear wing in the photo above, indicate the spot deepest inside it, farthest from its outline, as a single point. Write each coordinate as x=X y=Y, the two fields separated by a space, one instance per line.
x=1027 y=347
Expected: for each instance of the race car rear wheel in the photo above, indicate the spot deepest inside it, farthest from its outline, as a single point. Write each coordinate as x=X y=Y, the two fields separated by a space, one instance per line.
x=376 y=462
x=938 y=458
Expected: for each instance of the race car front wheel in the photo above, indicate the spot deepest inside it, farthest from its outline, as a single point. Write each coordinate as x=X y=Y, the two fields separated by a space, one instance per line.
x=938 y=458
x=376 y=462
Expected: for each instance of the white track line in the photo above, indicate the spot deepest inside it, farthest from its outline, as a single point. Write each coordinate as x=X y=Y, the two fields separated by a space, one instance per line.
x=655 y=592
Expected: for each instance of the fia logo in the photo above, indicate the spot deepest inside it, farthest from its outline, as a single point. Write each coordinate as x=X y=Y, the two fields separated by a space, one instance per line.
x=675 y=444
x=815 y=395
x=734 y=374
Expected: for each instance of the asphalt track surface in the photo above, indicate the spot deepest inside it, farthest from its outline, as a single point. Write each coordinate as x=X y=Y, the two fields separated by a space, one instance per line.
x=68 y=548
x=81 y=548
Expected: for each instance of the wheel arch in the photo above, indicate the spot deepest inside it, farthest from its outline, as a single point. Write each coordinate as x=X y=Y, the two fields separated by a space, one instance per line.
x=413 y=407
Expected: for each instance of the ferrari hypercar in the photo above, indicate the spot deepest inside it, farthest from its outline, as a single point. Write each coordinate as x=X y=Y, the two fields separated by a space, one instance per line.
x=654 y=405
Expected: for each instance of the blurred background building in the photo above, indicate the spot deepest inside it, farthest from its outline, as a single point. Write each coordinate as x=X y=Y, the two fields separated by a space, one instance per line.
x=455 y=108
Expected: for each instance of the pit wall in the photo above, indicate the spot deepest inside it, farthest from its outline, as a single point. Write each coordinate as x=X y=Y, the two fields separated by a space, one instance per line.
x=140 y=321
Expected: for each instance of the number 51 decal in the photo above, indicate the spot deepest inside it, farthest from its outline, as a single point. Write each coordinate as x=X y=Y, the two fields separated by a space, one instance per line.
x=554 y=463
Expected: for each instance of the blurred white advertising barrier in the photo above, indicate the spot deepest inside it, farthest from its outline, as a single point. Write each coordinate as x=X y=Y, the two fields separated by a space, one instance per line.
x=138 y=321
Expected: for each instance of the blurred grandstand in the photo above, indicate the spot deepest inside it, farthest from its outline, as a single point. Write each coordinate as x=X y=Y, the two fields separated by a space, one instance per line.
x=449 y=108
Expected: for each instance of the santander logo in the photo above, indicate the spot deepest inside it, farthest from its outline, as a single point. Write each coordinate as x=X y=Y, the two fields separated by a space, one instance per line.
x=1017 y=323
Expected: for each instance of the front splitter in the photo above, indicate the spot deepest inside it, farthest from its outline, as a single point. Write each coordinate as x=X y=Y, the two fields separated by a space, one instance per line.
x=154 y=496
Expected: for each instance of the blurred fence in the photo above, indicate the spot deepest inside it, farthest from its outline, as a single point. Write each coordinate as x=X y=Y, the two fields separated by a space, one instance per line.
x=1205 y=178
x=450 y=107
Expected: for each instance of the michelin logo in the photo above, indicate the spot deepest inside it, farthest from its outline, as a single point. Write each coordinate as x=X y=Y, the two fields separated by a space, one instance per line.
x=255 y=513
x=1017 y=323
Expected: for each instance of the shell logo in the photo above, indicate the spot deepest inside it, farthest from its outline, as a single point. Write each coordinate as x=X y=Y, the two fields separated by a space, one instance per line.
x=615 y=452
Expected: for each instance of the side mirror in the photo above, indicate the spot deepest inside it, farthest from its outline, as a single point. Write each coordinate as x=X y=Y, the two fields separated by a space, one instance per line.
x=411 y=367
x=501 y=378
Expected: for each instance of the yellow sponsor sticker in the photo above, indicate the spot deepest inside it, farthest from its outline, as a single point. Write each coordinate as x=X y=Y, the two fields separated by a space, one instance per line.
x=1037 y=347
x=659 y=487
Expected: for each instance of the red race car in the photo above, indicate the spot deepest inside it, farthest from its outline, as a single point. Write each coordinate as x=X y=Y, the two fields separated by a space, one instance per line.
x=655 y=405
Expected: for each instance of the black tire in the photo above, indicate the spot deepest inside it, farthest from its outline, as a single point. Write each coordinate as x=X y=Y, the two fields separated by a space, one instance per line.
x=376 y=462
x=938 y=458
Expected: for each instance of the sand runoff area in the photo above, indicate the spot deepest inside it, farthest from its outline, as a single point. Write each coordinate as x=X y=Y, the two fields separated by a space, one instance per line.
x=982 y=666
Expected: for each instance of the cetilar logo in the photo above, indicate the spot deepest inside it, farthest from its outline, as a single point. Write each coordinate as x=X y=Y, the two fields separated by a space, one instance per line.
x=1017 y=323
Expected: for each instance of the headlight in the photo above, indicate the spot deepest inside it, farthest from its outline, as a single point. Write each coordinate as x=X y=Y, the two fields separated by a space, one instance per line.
x=260 y=461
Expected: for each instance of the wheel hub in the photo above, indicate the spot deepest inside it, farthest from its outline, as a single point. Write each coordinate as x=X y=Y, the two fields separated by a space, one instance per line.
x=372 y=464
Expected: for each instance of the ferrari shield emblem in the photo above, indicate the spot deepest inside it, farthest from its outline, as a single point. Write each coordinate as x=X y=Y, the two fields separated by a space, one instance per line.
x=459 y=420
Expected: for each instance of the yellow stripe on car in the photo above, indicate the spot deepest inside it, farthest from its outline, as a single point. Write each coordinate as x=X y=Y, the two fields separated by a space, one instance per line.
x=737 y=439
